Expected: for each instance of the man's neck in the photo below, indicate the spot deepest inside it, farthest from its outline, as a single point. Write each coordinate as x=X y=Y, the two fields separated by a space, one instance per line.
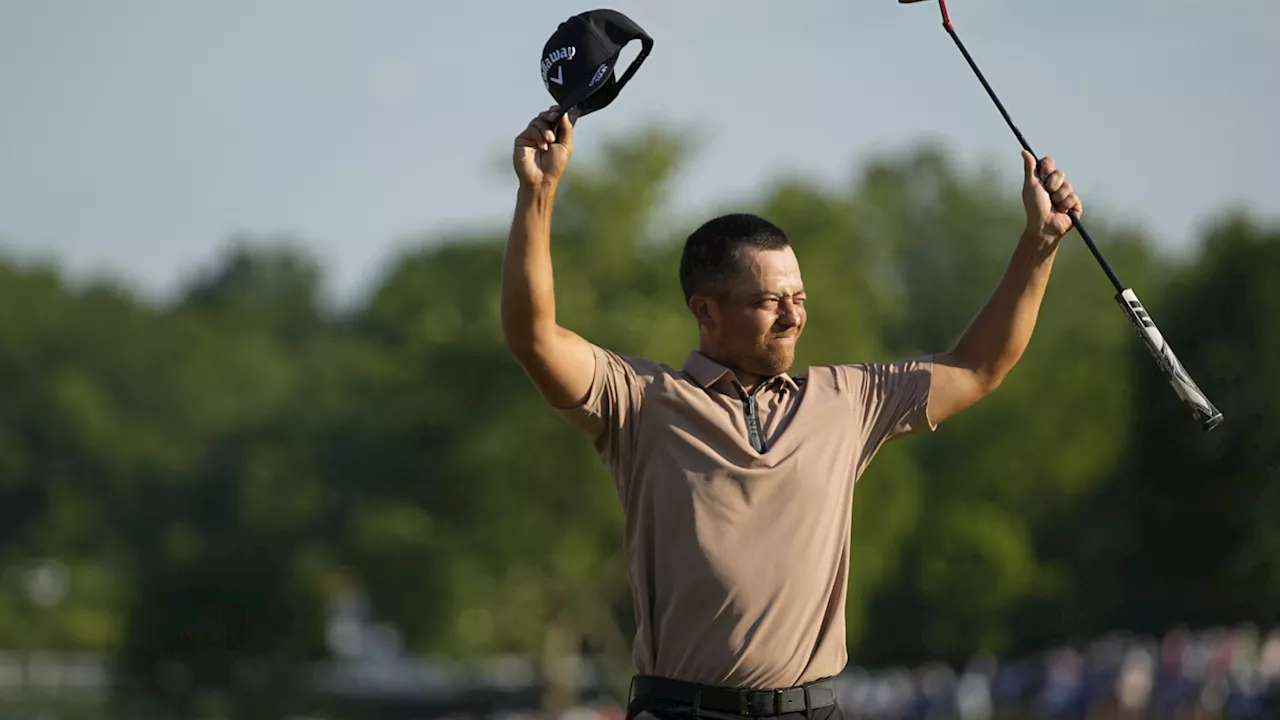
x=746 y=379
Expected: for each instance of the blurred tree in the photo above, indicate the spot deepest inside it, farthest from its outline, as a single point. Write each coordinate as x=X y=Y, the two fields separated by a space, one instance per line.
x=264 y=283
x=229 y=547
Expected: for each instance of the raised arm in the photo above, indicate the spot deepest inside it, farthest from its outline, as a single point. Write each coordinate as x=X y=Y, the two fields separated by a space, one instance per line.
x=558 y=361
x=998 y=335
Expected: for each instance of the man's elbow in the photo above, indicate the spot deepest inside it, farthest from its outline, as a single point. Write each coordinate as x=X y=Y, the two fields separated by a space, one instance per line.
x=521 y=345
x=987 y=369
x=988 y=379
x=981 y=377
x=516 y=336
x=518 y=327
x=525 y=341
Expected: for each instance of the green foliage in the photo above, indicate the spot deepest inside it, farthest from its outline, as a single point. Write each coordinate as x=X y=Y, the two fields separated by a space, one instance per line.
x=1208 y=503
x=213 y=474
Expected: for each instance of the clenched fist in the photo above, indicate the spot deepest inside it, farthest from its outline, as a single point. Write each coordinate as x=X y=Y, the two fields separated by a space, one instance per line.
x=1047 y=197
x=539 y=159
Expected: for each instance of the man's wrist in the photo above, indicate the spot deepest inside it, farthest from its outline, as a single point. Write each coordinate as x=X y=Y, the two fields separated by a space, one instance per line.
x=1034 y=236
x=1035 y=250
x=536 y=199
x=546 y=188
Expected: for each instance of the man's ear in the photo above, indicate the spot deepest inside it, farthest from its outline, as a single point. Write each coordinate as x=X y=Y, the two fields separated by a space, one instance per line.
x=706 y=311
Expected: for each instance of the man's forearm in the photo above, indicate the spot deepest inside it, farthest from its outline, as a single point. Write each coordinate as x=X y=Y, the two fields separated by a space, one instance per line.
x=528 y=287
x=1000 y=332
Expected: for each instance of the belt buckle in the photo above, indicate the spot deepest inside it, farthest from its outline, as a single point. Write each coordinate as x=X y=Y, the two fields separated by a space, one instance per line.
x=745 y=704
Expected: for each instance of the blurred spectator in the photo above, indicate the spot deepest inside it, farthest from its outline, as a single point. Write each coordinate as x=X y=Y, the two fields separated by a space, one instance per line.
x=1216 y=674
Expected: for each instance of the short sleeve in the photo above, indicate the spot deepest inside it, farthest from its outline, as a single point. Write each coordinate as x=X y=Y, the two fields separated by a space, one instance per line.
x=607 y=413
x=891 y=400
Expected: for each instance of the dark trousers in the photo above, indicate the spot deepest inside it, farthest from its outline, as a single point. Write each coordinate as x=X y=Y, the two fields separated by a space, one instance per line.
x=648 y=708
x=640 y=709
x=657 y=710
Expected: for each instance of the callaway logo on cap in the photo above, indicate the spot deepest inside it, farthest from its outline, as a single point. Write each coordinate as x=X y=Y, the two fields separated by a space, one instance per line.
x=579 y=60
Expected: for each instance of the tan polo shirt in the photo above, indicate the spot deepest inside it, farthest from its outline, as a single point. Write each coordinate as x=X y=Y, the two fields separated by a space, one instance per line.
x=739 y=560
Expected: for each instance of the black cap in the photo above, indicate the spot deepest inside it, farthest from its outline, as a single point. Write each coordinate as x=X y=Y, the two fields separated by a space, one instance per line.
x=579 y=61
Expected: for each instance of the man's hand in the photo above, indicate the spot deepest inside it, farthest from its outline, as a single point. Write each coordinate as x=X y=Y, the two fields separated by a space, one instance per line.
x=540 y=160
x=1047 y=196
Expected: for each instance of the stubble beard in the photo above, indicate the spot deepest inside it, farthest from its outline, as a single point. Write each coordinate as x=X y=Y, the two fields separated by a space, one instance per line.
x=773 y=359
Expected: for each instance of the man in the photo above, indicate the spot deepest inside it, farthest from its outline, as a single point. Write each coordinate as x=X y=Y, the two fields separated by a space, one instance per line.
x=736 y=478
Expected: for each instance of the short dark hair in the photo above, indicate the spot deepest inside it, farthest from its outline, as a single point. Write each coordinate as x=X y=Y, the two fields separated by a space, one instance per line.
x=712 y=253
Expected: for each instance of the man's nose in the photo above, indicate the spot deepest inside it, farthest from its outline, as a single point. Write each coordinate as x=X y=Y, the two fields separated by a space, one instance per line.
x=789 y=314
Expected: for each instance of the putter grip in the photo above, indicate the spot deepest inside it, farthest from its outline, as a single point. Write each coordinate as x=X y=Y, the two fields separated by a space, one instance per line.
x=1205 y=413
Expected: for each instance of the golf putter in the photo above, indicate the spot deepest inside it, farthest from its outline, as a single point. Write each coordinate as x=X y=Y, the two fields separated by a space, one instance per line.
x=1196 y=401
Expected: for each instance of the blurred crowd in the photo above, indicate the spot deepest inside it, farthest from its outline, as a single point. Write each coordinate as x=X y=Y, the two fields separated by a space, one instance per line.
x=1215 y=674
x=1220 y=674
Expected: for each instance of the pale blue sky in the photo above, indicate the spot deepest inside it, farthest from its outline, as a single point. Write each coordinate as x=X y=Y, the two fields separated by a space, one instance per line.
x=137 y=136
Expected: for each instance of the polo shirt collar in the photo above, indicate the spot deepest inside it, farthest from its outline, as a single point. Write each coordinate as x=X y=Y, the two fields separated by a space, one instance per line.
x=707 y=372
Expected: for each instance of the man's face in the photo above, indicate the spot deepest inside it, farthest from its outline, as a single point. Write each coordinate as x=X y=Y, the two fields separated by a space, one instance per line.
x=755 y=324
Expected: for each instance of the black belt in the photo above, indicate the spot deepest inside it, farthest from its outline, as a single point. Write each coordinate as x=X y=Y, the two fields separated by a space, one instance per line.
x=812 y=696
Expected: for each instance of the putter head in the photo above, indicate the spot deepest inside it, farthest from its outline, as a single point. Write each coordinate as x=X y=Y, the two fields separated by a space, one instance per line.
x=942 y=5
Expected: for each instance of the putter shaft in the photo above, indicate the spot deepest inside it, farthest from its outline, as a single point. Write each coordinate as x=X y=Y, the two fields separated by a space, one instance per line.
x=1075 y=219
